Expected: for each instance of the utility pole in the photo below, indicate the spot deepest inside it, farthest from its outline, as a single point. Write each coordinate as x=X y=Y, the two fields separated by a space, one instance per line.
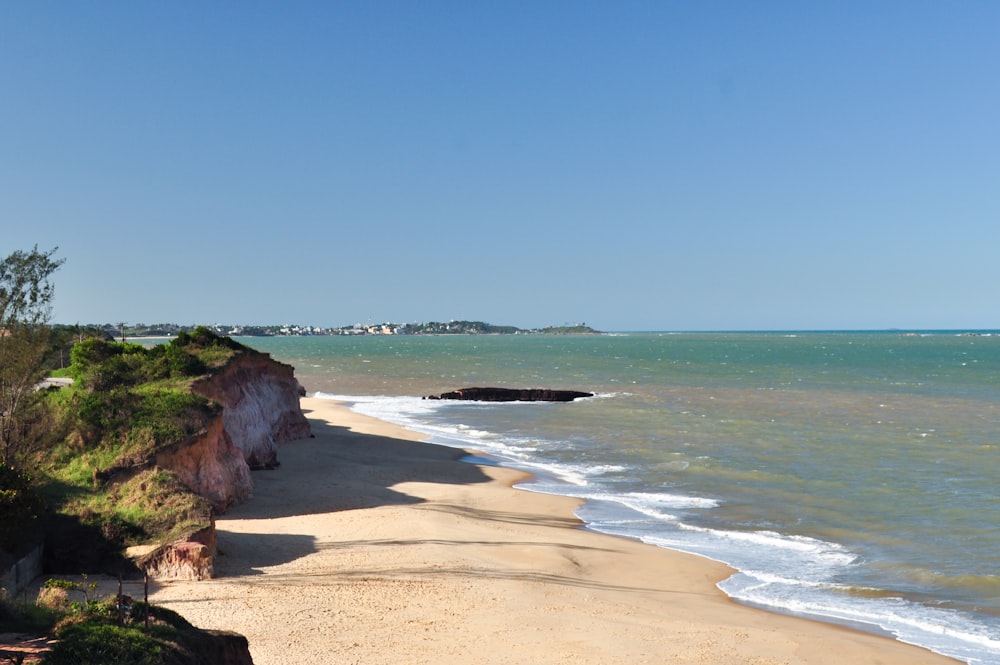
x=122 y=326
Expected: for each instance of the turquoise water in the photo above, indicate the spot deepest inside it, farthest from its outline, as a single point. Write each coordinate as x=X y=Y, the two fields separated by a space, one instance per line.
x=847 y=476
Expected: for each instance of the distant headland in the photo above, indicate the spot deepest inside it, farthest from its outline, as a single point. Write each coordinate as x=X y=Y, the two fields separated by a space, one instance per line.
x=431 y=328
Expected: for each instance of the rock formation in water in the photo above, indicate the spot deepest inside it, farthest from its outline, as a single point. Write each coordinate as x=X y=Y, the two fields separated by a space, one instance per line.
x=512 y=395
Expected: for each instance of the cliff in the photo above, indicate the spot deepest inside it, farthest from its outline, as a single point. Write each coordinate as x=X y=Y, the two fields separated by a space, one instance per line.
x=260 y=411
x=211 y=464
x=260 y=400
x=190 y=559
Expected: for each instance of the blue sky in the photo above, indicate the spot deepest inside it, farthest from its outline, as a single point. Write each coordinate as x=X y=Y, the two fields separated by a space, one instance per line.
x=635 y=166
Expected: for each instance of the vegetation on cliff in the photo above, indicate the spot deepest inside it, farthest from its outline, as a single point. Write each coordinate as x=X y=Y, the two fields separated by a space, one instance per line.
x=95 y=489
x=78 y=466
x=126 y=403
x=88 y=629
x=87 y=482
x=26 y=291
x=169 y=640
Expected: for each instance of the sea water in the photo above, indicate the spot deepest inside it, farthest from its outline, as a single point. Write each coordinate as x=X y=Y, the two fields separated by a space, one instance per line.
x=848 y=477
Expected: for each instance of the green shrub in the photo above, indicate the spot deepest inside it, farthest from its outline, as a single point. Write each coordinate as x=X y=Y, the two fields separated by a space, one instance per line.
x=104 y=644
x=172 y=360
x=16 y=616
x=106 y=412
x=103 y=365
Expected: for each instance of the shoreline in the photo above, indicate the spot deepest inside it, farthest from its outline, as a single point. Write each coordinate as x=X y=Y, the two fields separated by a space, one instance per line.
x=370 y=545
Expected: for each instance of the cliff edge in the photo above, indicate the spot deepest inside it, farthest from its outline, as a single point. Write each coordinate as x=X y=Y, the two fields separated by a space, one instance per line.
x=260 y=405
x=260 y=411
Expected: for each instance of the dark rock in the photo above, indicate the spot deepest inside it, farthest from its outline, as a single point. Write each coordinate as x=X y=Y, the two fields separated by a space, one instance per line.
x=512 y=395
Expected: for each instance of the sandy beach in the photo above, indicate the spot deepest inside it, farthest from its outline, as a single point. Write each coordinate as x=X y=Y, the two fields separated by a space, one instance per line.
x=369 y=546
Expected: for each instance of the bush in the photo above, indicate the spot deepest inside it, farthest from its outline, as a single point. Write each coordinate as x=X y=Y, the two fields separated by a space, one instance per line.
x=172 y=360
x=100 y=365
x=20 y=507
x=87 y=354
x=102 y=413
x=99 y=643
x=16 y=616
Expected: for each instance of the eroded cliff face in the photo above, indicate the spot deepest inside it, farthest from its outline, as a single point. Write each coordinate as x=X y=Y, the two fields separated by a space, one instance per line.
x=190 y=559
x=260 y=400
x=211 y=465
x=260 y=411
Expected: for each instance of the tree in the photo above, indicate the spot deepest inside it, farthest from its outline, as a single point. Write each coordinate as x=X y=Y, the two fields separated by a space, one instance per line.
x=25 y=306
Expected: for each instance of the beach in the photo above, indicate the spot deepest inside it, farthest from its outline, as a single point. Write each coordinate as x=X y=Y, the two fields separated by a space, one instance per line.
x=368 y=545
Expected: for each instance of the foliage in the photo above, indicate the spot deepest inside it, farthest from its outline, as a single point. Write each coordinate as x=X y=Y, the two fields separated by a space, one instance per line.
x=212 y=349
x=25 y=296
x=132 y=418
x=144 y=504
x=25 y=289
x=98 y=638
x=128 y=402
x=20 y=506
x=125 y=390
x=102 y=635
x=96 y=642
x=174 y=360
x=62 y=339
x=85 y=587
x=100 y=364
x=152 y=504
x=16 y=616
x=579 y=329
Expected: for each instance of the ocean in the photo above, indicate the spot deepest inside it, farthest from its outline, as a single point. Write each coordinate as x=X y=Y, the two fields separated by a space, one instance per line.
x=848 y=476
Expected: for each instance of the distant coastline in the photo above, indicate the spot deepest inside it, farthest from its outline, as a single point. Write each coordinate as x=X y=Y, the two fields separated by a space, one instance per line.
x=167 y=331
x=170 y=330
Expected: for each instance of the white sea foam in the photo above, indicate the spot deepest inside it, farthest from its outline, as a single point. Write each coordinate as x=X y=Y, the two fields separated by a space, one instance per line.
x=657 y=505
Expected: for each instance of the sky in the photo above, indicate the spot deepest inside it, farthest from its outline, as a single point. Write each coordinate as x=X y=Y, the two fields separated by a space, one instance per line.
x=664 y=165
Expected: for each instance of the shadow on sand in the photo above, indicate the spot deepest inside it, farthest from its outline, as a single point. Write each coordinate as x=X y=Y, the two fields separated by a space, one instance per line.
x=341 y=469
x=338 y=469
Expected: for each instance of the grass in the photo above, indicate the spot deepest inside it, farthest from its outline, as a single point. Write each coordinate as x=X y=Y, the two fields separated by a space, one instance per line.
x=92 y=642
x=92 y=633
x=97 y=473
x=112 y=483
x=23 y=617
x=151 y=507
x=97 y=468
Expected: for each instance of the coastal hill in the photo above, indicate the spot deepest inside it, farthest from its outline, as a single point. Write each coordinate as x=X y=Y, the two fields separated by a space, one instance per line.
x=150 y=443
x=145 y=446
